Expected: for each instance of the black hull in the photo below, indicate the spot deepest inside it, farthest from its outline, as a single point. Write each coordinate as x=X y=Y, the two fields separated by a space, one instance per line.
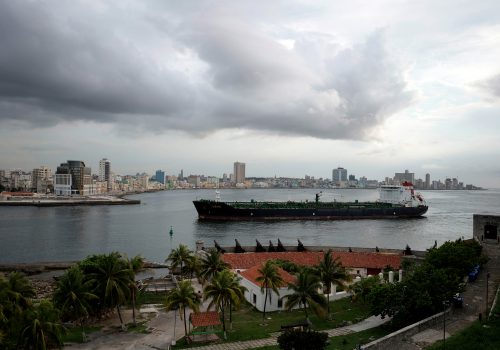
x=220 y=211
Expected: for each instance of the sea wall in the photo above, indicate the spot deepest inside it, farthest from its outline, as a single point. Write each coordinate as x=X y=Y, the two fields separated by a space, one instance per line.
x=67 y=202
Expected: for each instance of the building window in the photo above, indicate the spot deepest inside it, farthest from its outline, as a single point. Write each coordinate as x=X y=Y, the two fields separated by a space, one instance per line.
x=254 y=298
x=280 y=303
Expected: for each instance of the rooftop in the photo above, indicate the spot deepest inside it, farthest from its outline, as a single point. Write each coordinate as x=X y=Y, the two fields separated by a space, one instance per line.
x=252 y=273
x=245 y=261
x=205 y=319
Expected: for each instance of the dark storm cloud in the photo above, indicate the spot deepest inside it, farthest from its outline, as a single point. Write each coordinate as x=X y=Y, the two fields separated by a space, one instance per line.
x=61 y=65
x=189 y=73
x=492 y=85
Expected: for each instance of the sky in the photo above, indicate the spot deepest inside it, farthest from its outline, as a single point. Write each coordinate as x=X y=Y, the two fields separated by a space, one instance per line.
x=288 y=87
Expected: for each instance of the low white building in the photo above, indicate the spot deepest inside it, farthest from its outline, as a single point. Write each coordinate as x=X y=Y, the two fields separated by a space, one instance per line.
x=255 y=296
x=360 y=264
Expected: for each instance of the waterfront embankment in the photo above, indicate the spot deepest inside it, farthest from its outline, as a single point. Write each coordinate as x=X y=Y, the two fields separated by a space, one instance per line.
x=58 y=202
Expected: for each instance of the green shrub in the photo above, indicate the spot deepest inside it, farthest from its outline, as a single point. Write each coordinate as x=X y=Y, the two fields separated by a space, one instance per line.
x=301 y=340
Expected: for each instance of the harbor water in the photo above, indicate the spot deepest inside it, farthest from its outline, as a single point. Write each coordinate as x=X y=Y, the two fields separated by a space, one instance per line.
x=30 y=234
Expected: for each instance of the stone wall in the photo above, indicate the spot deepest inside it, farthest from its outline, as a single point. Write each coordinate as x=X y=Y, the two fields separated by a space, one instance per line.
x=390 y=341
x=486 y=228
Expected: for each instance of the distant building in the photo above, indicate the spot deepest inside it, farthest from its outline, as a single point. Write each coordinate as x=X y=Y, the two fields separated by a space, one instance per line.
x=79 y=179
x=160 y=176
x=239 y=172
x=105 y=172
x=427 y=181
x=194 y=180
x=402 y=177
x=41 y=178
x=339 y=174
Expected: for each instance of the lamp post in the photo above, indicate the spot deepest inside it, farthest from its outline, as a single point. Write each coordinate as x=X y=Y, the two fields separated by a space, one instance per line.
x=445 y=303
x=175 y=319
x=487 y=279
x=171 y=234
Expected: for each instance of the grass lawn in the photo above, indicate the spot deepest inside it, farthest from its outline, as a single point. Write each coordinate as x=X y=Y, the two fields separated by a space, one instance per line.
x=74 y=334
x=150 y=298
x=248 y=323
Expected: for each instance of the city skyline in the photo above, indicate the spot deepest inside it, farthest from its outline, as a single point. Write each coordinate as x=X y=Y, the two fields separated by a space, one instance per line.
x=341 y=177
x=290 y=88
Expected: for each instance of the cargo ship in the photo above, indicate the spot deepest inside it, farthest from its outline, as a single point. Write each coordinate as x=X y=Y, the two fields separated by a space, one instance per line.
x=399 y=201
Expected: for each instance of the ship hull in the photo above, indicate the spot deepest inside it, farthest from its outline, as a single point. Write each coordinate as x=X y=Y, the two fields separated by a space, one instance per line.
x=220 y=211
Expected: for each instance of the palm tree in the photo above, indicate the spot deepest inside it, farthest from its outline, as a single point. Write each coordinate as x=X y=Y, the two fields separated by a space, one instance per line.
x=17 y=293
x=330 y=272
x=269 y=279
x=136 y=265
x=179 y=257
x=224 y=290
x=73 y=297
x=239 y=292
x=192 y=267
x=111 y=277
x=42 y=328
x=211 y=264
x=305 y=293
x=15 y=300
x=363 y=287
x=183 y=296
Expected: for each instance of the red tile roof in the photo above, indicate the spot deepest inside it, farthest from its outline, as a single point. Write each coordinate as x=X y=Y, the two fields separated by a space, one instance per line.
x=348 y=259
x=205 y=319
x=252 y=273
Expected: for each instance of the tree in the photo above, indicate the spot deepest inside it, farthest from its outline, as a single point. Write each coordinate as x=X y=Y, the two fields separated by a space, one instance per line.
x=305 y=294
x=427 y=285
x=297 y=339
x=362 y=288
x=192 y=267
x=330 y=272
x=15 y=300
x=183 y=296
x=211 y=264
x=180 y=257
x=41 y=328
x=136 y=265
x=458 y=258
x=111 y=278
x=270 y=280
x=17 y=293
x=72 y=296
x=224 y=290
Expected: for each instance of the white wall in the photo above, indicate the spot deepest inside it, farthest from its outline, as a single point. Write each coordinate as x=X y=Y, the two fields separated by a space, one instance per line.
x=253 y=289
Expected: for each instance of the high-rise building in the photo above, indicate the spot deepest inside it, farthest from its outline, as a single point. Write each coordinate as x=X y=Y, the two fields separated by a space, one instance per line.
x=339 y=174
x=239 y=172
x=40 y=179
x=406 y=176
x=105 y=172
x=427 y=181
x=81 y=177
x=160 y=176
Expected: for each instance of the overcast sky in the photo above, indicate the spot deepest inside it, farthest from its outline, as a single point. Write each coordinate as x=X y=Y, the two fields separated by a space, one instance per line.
x=288 y=87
